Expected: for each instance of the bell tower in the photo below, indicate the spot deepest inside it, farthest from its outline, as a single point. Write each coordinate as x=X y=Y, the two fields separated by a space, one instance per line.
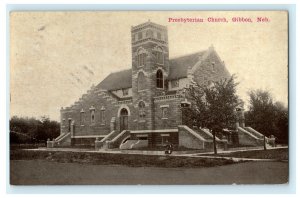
x=150 y=68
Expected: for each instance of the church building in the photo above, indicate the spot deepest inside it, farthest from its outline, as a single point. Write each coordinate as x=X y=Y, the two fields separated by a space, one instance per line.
x=141 y=107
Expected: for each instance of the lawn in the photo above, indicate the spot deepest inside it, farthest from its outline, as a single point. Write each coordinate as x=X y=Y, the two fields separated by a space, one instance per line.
x=43 y=172
x=117 y=159
x=279 y=154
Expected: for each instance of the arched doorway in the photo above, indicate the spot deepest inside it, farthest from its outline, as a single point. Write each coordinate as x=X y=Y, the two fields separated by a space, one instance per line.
x=123 y=119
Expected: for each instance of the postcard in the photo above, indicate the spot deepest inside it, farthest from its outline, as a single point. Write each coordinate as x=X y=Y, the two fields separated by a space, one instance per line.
x=149 y=97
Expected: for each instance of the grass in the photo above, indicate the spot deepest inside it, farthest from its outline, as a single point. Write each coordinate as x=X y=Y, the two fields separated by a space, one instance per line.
x=26 y=146
x=117 y=159
x=280 y=154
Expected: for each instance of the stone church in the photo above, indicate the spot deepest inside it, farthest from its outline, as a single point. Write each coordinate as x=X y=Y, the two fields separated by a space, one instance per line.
x=141 y=107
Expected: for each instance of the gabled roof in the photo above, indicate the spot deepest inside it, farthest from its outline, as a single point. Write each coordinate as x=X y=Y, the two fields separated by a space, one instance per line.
x=117 y=80
x=178 y=69
x=179 y=66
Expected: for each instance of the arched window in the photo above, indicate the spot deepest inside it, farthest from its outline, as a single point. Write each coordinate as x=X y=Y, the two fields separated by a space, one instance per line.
x=142 y=112
x=140 y=35
x=159 y=56
x=149 y=34
x=141 y=58
x=159 y=79
x=159 y=35
x=92 y=112
x=102 y=115
x=141 y=81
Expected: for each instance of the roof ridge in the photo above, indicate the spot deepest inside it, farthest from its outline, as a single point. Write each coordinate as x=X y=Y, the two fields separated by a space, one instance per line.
x=190 y=54
x=120 y=71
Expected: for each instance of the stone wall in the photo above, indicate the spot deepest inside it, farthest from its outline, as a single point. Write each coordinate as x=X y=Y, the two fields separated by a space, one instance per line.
x=173 y=116
x=212 y=69
x=99 y=101
x=156 y=139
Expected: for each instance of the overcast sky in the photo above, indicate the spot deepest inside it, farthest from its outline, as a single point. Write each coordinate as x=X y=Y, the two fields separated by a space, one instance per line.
x=57 y=56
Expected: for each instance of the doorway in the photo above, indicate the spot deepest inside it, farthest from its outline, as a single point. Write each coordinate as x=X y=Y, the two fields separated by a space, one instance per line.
x=123 y=119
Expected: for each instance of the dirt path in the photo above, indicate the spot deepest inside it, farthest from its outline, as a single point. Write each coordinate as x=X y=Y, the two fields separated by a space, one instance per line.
x=38 y=172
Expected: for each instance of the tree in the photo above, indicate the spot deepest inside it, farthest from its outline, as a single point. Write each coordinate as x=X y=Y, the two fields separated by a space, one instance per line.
x=213 y=106
x=267 y=116
x=30 y=130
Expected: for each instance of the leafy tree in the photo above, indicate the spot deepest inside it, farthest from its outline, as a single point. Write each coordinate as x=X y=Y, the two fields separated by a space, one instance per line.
x=213 y=106
x=267 y=116
x=30 y=130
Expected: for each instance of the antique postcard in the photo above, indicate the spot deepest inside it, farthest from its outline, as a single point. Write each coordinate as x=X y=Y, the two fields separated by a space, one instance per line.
x=149 y=97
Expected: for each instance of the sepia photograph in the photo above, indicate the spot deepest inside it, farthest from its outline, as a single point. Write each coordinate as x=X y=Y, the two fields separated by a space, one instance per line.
x=148 y=97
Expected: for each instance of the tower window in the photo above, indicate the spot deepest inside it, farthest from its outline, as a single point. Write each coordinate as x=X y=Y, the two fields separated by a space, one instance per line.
x=141 y=58
x=159 y=79
x=159 y=35
x=159 y=56
x=140 y=35
x=142 y=113
x=141 y=81
x=149 y=34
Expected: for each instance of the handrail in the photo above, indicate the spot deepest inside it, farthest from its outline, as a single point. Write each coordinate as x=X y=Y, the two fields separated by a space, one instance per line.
x=108 y=136
x=193 y=132
x=248 y=133
x=119 y=135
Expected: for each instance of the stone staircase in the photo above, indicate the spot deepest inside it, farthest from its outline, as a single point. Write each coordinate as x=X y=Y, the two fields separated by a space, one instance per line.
x=206 y=134
x=109 y=136
x=250 y=137
x=113 y=140
x=63 y=139
x=254 y=132
x=197 y=138
x=269 y=141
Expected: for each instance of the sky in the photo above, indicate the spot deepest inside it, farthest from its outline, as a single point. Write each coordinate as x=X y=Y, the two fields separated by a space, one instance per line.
x=55 y=57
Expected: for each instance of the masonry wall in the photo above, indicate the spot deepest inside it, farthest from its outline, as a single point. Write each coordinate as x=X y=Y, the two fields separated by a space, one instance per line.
x=212 y=69
x=148 y=44
x=157 y=139
x=173 y=117
x=100 y=101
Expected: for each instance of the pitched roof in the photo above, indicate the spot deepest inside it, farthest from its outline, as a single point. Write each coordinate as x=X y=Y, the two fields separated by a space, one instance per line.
x=117 y=80
x=180 y=65
x=178 y=69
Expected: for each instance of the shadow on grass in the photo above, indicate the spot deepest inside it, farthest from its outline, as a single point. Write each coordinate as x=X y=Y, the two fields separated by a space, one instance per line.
x=278 y=154
x=117 y=159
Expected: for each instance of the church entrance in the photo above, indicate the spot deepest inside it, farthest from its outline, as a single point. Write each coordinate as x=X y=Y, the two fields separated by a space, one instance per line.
x=123 y=119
